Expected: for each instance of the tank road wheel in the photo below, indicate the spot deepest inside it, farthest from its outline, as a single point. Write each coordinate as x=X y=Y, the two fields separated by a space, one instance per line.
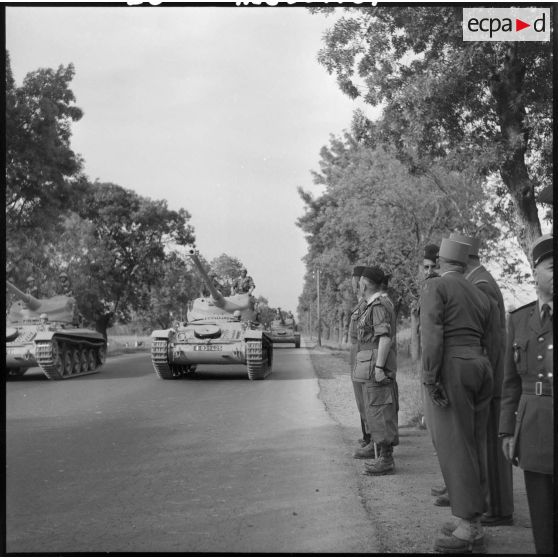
x=76 y=359
x=258 y=360
x=84 y=360
x=91 y=360
x=67 y=363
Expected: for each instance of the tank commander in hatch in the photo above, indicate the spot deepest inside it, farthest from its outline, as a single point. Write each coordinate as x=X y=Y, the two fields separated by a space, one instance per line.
x=243 y=284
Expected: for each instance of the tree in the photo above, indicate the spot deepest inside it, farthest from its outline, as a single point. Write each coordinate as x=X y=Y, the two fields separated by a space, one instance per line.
x=372 y=212
x=478 y=106
x=115 y=249
x=40 y=163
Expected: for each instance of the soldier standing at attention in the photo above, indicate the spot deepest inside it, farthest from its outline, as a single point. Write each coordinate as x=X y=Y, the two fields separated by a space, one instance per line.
x=499 y=470
x=358 y=386
x=376 y=356
x=455 y=324
x=243 y=284
x=526 y=419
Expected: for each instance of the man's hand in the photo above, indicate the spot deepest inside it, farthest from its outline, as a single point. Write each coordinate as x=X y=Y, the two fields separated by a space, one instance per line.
x=438 y=394
x=508 y=447
x=379 y=375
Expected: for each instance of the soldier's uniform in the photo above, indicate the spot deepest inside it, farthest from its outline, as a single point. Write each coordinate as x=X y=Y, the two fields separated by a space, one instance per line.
x=455 y=325
x=499 y=470
x=527 y=406
x=380 y=398
x=243 y=284
x=358 y=386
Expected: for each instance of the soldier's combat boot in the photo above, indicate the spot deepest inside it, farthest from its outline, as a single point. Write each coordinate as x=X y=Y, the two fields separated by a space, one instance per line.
x=384 y=465
x=466 y=538
x=366 y=452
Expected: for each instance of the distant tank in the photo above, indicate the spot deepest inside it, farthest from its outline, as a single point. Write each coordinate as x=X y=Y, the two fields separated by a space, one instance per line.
x=284 y=330
x=219 y=330
x=44 y=332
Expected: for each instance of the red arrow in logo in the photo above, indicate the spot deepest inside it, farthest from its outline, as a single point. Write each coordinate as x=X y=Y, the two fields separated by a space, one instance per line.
x=519 y=25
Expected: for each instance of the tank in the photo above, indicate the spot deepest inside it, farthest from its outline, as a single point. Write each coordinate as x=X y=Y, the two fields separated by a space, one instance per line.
x=44 y=332
x=284 y=330
x=219 y=330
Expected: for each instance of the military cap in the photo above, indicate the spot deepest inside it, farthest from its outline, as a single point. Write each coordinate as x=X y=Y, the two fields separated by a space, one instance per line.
x=473 y=242
x=357 y=270
x=30 y=279
x=63 y=274
x=542 y=248
x=546 y=195
x=374 y=274
x=451 y=249
x=431 y=252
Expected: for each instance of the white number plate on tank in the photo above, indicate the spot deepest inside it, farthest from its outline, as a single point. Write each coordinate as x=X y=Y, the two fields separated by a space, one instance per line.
x=208 y=347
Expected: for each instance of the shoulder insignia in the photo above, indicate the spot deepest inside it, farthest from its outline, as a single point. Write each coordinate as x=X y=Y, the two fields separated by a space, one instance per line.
x=529 y=304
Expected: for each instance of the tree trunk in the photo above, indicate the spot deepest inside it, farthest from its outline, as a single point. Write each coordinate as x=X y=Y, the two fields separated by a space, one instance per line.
x=507 y=89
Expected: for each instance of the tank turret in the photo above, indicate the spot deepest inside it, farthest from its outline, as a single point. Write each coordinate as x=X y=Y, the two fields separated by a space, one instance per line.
x=242 y=303
x=60 y=308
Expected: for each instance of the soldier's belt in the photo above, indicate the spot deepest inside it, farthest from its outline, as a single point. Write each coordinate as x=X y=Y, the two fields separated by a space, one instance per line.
x=537 y=388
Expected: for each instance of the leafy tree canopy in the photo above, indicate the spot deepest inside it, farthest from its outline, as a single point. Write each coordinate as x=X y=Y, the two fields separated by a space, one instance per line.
x=478 y=106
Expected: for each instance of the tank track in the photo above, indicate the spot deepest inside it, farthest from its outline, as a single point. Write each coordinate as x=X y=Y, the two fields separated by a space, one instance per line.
x=57 y=361
x=160 y=360
x=259 y=357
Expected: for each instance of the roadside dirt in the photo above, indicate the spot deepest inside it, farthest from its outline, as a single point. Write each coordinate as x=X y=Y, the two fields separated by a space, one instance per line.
x=400 y=505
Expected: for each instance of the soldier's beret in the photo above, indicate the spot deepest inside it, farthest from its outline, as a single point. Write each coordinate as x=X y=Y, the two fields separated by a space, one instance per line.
x=473 y=242
x=542 y=248
x=431 y=252
x=357 y=270
x=453 y=250
x=374 y=274
x=546 y=195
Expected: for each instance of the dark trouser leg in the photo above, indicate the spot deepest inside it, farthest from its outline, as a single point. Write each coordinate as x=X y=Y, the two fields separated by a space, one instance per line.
x=459 y=432
x=540 y=493
x=499 y=470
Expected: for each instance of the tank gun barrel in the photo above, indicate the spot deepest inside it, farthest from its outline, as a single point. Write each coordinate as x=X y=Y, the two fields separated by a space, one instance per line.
x=217 y=297
x=30 y=300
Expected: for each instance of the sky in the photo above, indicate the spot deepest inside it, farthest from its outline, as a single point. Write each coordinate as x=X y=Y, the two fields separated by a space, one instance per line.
x=221 y=111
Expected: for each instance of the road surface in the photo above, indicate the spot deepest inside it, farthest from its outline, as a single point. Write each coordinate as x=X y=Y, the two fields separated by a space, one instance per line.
x=122 y=461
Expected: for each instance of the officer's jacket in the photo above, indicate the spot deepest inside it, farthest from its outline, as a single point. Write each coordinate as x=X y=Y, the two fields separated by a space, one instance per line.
x=482 y=279
x=527 y=392
x=378 y=319
x=453 y=313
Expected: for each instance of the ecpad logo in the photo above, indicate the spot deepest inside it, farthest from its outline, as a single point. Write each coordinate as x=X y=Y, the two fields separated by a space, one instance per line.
x=506 y=24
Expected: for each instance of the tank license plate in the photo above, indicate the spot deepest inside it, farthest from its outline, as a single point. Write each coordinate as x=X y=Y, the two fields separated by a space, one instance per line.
x=208 y=347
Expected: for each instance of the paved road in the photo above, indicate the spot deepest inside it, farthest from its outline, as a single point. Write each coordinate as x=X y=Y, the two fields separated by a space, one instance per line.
x=121 y=461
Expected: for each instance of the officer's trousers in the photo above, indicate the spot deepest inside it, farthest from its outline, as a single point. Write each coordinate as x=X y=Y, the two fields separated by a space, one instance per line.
x=499 y=469
x=358 y=388
x=381 y=405
x=540 y=496
x=459 y=430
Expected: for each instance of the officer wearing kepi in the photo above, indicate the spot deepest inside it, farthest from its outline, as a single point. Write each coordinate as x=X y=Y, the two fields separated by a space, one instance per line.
x=456 y=324
x=526 y=419
x=499 y=470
